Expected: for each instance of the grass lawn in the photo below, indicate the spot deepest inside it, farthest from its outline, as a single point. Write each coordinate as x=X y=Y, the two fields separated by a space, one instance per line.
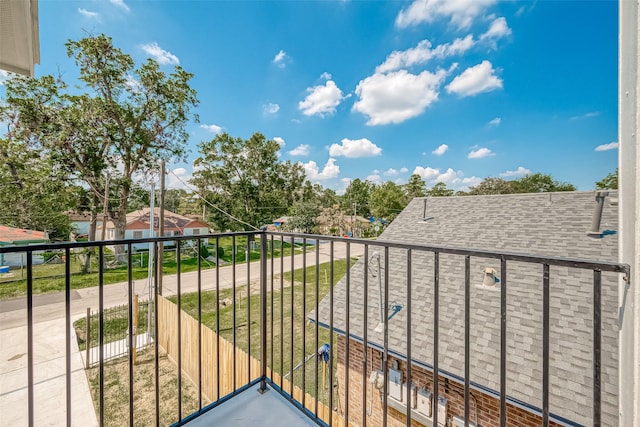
x=51 y=277
x=115 y=325
x=294 y=318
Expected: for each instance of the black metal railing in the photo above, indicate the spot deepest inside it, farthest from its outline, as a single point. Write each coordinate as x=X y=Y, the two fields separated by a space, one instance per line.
x=291 y=325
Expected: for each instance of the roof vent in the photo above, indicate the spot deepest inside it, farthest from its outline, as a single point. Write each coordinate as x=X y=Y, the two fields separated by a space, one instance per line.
x=597 y=214
x=424 y=211
x=490 y=278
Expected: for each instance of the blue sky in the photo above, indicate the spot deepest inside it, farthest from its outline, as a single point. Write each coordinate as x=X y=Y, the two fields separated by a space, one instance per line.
x=455 y=91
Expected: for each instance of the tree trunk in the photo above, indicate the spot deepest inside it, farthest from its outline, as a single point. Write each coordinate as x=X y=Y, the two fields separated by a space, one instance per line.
x=93 y=226
x=119 y=220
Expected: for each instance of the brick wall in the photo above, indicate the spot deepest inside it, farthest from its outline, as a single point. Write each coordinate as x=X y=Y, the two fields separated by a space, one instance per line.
x=488 y=408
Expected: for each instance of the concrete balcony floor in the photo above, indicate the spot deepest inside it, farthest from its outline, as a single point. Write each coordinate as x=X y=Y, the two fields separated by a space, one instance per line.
x=251 y=408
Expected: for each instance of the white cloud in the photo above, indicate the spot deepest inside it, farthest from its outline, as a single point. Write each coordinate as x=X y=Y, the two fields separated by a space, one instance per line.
x=480 y=153
x=88 y=14
x=461 y=13
x=301 y=150
x=325 y=76
x=427 y=173
x=423 y=53
x=452 y=178
x=474 y=80
x=270 y=108
x=586 y=115
x=330 y=170
x=178 y=179
x=392 y=172
x=440 y=150
x=497 y=30
x=355 y=148
x=121 y=4
x=162 y=56
x=4 y=76
x=321 y=100
x=212 y=128
x=279 y=59
x=375 y=178
x=609 y=146
x=397 y=96
x=495 y=122
x=518 y=172
x=279 y=140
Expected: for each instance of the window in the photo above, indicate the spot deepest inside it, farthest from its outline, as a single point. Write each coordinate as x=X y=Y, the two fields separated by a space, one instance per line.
x=196 y=231
x=137 y=234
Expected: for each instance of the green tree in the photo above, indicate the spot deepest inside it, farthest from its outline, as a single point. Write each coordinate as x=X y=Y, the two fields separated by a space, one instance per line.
x=415 y=187
x=387 y=201
x=540 y=183
x=126 y=120
x=440 y=190
x=246 y=180
x=357 y=195
x=491 y=185
x=609 y=182
x=303 y=217
x=34 y=193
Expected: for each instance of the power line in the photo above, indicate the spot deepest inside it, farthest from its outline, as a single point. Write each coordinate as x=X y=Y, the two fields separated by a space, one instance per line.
x=211 y=204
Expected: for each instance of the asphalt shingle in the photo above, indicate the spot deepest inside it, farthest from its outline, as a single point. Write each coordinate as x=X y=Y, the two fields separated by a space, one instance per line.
x=546 y=224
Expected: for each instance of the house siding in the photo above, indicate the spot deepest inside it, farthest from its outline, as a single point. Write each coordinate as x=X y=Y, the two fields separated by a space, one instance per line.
x=488 y=407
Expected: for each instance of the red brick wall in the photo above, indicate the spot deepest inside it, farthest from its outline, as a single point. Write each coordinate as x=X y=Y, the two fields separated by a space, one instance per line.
x=488 y=412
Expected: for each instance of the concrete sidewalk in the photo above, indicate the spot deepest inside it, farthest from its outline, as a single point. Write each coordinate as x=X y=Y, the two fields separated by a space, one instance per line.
x=49 y=371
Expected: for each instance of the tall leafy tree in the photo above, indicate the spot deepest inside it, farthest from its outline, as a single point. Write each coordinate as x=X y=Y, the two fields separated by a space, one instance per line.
x=387 y=201
x=303 y=217
x=34 y=193
x=609 y=182
x=357 y=196
x=540 y=183
x=440 y=190
x=415 y=187
x=246 y=180
x=123 y=122
x=491 y=185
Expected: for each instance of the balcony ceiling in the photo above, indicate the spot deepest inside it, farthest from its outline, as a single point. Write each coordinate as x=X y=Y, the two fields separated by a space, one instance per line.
x=19 y=36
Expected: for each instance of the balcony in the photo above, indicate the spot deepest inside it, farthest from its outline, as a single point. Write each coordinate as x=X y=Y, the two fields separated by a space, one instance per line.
x=313 y=330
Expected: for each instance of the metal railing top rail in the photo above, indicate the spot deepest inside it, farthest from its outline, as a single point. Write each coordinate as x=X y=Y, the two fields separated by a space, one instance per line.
x=580 y=263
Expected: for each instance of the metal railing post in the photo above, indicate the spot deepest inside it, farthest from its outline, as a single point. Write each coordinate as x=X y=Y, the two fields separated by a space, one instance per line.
x=263 y=312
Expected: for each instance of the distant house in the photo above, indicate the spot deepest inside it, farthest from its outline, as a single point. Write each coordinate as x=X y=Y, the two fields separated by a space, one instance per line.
x=138 y=225
x=81 y=222
x=10 y=236
x=547 y=224
x=340 y=224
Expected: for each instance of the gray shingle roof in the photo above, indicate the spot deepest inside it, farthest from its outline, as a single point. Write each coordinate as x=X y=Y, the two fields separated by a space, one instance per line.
x=548 y=224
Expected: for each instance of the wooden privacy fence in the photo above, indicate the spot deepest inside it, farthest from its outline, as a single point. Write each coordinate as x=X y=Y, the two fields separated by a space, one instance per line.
x=168 y=340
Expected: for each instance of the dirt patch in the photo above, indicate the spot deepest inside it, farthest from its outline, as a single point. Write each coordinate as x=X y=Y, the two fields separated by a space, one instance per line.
x=116 y=391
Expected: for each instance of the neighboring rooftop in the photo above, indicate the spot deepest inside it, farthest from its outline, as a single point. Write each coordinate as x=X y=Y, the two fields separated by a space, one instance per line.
x=547 y=224
x=11 y=235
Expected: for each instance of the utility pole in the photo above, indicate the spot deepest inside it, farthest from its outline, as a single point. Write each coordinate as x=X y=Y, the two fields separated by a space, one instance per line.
x=152 y=229
x=161 y=229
